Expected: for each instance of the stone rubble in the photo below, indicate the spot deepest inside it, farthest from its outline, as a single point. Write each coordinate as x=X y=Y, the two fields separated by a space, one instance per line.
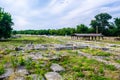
x=99 y=59
x=7 y=73
x=36 y=77
x=56 y=67
x=53 y=76
x=22 y=71
x=19 y=78
x=35 y=56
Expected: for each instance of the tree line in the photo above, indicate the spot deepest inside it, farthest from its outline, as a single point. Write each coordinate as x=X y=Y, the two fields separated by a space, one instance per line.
x=100 y=24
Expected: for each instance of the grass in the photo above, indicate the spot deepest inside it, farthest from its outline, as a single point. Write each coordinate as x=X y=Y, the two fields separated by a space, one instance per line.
x=2 y=69
x=118 y=61
x=11 y=43
x=96 y=52
x=110 y=40
x=76 y=67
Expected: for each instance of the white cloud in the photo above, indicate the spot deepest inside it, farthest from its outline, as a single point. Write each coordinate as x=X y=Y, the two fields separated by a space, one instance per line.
x=31 y=14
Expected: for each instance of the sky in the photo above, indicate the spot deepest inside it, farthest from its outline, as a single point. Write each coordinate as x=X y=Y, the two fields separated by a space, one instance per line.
x=56 y=14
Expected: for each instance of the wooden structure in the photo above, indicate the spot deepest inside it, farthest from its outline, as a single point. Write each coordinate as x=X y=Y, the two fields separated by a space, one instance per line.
x=87 y=36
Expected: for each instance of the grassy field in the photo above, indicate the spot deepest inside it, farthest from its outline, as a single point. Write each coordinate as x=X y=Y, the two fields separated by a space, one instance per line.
x=76 y=67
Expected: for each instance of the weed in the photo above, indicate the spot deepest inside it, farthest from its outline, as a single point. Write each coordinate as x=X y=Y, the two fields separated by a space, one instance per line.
x=118 y=61
x=80 y=74
x=111 y=67
x=21 y=61
x=14 y=62
x=96 y=52
x=2 y=69
x=28 y=63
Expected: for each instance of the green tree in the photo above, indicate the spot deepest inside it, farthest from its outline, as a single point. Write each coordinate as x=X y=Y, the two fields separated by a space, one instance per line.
x=117 y=24
x=101 y=21
x=94 y=25
x=82 y=28
x=14 y=32
x=5 y=24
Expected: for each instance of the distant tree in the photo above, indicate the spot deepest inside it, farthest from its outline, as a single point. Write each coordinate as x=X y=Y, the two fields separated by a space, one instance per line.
x=94 y=25
x=52 y=32
x=14 y=32
x=91 y=30
x=101 y=21
x=82 y=28
x=5 y=24
x=111 y=31
x=117 y=24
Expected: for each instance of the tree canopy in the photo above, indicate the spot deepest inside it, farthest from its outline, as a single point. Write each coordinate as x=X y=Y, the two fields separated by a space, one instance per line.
x=82 y=28
x=117 y=26
x=5 y=24
x=101 y=21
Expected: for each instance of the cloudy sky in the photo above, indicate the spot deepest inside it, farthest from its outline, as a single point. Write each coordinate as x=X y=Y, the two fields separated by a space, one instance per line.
x=54 y=14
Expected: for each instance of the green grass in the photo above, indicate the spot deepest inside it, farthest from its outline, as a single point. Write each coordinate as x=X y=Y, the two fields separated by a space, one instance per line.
x=110 y=41
x=28 y=39
x=2 y=69
x=118 y=61
x=76 y=67
x=96 y=52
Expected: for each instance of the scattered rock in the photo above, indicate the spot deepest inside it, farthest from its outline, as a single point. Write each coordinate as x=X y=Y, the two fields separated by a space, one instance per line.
x=7 y=73
x=22 y=71
x=69 y=44
x=99 y=59
x=35 y=56
x=56 y=68
x=53 y=76
x=43 y=48
x=29 y=47
x=117 y=57
x=1 y=55
x=117 y=39
x=37 y=47
x=19 y=78
x=112 y=45
x=94 y=47
x=39 y=56
x=104 y=49
x=81 y=46
x=18 y=48
x=36 y=77
x=59 y=47
x=54 y=57
x=45 y=45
